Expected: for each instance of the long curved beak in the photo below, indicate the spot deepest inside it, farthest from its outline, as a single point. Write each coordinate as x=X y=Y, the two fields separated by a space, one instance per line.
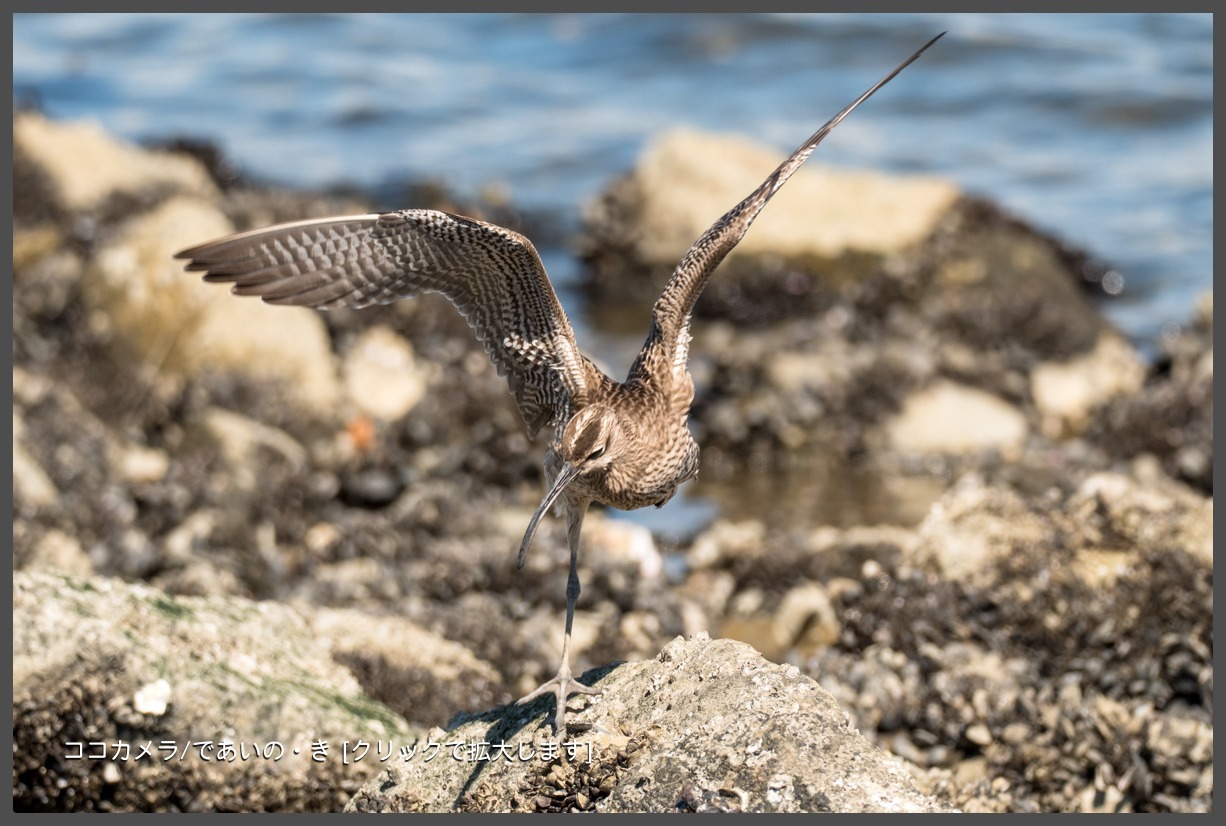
x=565 y=477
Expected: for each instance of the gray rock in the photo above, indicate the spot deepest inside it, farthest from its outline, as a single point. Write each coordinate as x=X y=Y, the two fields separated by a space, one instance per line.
x=97 y=662
x=414 y=671
x=706 y=726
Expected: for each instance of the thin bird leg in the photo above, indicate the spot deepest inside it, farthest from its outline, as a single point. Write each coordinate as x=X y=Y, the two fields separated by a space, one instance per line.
x=564 y=684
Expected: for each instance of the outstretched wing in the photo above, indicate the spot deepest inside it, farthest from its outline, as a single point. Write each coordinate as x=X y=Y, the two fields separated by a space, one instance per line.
x=491 y=274
x=669 y=338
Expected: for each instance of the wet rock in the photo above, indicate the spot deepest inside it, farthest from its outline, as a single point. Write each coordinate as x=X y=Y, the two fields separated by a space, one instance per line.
x=951 y=418
x=99 y=663
x=708 y=725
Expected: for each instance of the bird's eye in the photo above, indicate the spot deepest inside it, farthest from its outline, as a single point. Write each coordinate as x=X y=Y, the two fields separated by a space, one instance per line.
x=596 y=454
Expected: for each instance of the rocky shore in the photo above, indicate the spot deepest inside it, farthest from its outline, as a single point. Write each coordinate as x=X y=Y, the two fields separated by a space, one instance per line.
x=240 y=525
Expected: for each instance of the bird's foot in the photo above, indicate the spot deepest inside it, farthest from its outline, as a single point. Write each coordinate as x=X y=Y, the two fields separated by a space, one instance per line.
x=561 y=686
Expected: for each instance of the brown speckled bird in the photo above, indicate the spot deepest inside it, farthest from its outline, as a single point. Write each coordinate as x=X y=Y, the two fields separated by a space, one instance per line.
x=625 y=444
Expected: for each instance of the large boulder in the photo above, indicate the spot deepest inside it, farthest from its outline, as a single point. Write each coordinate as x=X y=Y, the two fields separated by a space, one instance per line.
x=128 y=699
x=706 y=726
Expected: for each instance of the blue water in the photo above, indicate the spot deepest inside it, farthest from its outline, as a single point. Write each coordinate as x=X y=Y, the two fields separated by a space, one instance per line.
x=1096 y=128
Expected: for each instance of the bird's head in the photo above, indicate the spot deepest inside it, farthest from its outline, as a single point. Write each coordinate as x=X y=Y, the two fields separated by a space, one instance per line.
x=592 y=440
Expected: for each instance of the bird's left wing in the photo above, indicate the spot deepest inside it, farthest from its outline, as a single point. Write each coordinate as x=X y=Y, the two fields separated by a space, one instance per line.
x=492 y=275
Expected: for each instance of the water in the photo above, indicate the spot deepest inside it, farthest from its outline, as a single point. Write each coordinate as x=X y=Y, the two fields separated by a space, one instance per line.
x=1097 y=128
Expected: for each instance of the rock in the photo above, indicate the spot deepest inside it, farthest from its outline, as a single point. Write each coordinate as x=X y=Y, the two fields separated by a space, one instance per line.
x=371 y=487
x=725 y=540
x=979 y=734
x=140 y=464
x=952 y=418
x=98 y=663
x=1110 y=520
x=685 y=180
x=79 y=167
x=412 y=670
x=34 y=244
x=624 y=543
x=174 y=321
x=824 y=233
x=1122 y=514
x=974 y=526
x=58 y=551
x=1171 y=417
x=1066 y=393
x=806 y=619
x=381 y=375
x=792 y=372
x=708 y=726
x=200 y=577
x=240 y=440
x=31 y=483
x=1091 y=615
x=1043 y=637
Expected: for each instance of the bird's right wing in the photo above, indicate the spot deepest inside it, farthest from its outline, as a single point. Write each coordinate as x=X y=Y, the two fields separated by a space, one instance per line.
x=491 y=274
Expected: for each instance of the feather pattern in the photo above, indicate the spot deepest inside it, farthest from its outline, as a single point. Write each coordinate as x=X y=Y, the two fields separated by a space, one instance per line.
x=492 y=275
x=668 y=342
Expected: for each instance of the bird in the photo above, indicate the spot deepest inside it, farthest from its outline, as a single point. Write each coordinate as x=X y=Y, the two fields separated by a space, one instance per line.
x=623 y=444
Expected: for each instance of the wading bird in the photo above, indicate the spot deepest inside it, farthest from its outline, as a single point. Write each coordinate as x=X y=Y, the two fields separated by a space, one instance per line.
x=626 y=445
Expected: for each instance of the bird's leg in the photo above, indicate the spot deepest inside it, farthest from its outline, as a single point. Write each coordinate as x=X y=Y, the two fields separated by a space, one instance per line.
x=564 y=684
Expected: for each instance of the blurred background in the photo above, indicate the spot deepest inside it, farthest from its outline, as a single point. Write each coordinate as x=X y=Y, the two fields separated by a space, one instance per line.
x=1096 y=128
